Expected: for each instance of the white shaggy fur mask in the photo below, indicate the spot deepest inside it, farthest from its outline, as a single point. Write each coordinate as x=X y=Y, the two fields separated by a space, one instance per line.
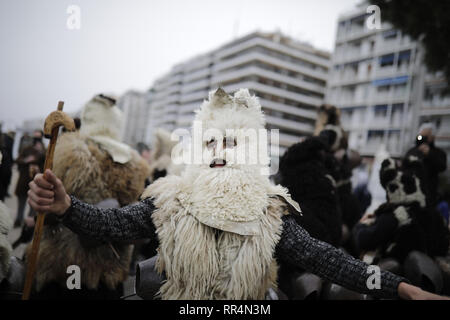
x=222 y=111
x=224 y=193
x=232 y=131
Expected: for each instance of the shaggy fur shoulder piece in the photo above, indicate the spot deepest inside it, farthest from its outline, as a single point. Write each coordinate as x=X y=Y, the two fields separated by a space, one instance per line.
x=5 y=246
x=282 y=192
x=202 y=262
x=90 y=174
x=101 y=177
x=73 y=154
x=163 y=189
x=164 y=192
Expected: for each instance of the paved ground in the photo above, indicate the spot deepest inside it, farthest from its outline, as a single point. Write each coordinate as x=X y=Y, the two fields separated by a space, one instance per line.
x=11 y=203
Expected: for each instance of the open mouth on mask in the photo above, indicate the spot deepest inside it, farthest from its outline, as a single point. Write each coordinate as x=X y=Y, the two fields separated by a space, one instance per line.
x=218 y=163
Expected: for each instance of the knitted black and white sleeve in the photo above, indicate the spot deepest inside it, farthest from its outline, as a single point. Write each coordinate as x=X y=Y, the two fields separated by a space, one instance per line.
x=296 y=247
x=132 y=222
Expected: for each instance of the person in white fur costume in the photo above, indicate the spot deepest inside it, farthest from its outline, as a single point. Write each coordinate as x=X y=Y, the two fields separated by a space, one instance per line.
x=222 y=227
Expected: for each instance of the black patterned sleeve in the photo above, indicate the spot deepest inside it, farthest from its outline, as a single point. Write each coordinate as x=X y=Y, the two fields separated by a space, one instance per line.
x=299 y=249
x=132 y=222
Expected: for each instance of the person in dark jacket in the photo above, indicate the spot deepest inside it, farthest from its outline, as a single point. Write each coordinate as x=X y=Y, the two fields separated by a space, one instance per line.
x=434 y=159
x=30 y=161
x=6 y=145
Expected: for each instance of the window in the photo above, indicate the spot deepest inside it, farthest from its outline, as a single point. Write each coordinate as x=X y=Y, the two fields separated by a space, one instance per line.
x=387 y=60
x=380 y=111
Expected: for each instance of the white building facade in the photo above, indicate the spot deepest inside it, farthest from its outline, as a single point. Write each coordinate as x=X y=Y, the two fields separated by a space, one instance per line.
x=376 y=79
x=436 y=109
x=289 y=78
x=135 y=107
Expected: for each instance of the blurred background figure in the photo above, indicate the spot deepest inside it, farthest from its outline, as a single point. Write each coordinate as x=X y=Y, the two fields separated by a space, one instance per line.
x=361 y=190
x=144 y=151
x=434 y=159
x=161 y=157
x=329 y=129
x=95 y=166
x=6 y=163
x=30 y=161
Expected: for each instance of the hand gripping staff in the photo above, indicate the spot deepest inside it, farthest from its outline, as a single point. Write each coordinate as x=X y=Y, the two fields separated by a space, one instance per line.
x=54 y=120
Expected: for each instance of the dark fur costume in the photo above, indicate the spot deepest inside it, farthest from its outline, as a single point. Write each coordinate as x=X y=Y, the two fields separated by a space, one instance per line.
x=305 y=171
x=328 y=127
x=89 y=173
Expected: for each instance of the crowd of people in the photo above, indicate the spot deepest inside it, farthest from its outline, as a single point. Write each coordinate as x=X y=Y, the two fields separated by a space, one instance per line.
x=221 y=229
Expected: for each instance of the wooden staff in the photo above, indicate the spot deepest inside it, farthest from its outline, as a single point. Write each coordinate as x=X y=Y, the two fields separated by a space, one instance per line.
x=55 y=120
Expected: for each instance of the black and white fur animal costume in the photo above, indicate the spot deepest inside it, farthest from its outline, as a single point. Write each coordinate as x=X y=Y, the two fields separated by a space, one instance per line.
x=404 y=223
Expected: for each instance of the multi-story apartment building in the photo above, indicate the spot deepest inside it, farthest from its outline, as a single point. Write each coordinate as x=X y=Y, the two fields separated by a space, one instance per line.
x=435 y=108
x=134 y=104
x=288 y=76
x=376 y=79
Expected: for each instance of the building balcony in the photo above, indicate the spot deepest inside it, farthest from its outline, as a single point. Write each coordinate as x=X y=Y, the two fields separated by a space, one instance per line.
x=189 y=107
x=258 y=56
x=301 y=128
x=189 y=97
x=354 y=34
x=261 y=72
x=437 y=103
x=276 y=106
x=175 y=80
x=197 y=63
x=169 y=117
x=348 y=78
x=199 y=74
x=272 y=45
x=252 y=85
x=199 y=84
x=430 y=110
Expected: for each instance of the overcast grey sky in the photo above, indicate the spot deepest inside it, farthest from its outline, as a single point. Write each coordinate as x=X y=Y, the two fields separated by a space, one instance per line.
x=126 y=44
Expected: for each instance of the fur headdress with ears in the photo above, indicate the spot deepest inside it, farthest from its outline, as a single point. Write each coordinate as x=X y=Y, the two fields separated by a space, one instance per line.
x=328 y=125
x=222 y=111
x=402 y=186
x=101 y=117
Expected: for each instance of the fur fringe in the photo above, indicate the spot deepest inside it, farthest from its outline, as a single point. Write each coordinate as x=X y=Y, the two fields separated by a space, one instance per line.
x=89 y=174
x=201 y=262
